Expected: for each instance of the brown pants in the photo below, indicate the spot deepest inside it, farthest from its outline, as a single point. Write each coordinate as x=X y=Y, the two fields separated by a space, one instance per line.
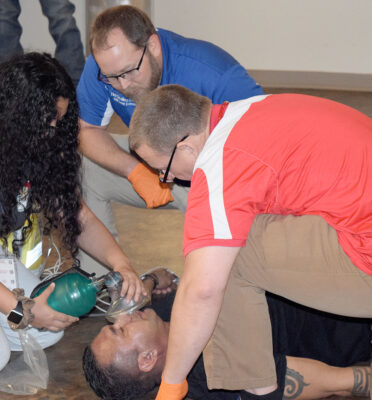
x=295 y=257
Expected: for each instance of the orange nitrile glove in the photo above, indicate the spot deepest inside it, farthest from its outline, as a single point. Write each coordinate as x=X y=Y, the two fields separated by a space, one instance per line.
x=146 y=183
x=172 y=391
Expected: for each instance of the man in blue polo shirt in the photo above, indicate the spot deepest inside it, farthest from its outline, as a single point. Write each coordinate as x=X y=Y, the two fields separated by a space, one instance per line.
x=130 y=58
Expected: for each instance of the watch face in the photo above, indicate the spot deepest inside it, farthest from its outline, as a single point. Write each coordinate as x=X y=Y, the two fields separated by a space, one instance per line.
x=15 y=317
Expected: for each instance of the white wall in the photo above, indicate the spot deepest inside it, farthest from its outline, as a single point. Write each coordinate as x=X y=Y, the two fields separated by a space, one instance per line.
x=35 y=34
x=294 y=35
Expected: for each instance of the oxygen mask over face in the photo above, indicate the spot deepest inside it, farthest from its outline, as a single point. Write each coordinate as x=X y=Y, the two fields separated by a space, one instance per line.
x=119 y=305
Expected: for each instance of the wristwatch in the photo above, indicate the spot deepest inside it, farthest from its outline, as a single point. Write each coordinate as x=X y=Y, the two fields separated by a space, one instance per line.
x=15 y=316
x=151 y=276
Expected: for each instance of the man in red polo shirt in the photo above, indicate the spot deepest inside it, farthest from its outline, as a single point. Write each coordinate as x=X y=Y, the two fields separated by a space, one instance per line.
x=281 y=189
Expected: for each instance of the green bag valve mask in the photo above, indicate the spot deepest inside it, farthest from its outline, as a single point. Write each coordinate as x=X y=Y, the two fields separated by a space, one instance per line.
x=75 y=293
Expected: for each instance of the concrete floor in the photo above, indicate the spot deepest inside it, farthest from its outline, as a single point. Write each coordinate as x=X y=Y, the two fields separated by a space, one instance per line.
x=150 y=238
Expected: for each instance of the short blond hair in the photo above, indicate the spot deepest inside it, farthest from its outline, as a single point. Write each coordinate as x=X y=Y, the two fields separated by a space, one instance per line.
x=165 y=115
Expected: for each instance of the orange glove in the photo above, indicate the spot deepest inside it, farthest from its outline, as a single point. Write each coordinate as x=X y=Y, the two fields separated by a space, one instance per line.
x=146 y=183
x=172 y=391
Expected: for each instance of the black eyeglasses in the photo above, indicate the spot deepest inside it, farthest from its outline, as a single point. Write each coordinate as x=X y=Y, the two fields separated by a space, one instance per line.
x=112 y=79
x=166 y=173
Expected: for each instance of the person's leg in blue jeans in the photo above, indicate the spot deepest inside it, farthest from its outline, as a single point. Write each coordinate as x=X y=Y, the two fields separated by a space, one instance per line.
x=62 y=26
x=10 y=29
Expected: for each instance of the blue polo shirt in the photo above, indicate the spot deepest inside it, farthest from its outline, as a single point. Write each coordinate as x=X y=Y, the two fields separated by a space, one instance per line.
x=198 y=65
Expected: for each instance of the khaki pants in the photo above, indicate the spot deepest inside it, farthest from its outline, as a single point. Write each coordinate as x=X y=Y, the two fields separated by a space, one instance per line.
x=101 y=186
x=295 y=257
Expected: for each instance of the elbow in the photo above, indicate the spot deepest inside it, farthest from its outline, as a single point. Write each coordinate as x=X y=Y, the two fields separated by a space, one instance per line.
x=203 y=293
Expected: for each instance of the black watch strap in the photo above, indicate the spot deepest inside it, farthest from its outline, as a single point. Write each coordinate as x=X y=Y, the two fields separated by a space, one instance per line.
x=16 y=315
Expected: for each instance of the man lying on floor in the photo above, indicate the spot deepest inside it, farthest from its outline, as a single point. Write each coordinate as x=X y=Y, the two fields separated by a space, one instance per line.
x=314 y=352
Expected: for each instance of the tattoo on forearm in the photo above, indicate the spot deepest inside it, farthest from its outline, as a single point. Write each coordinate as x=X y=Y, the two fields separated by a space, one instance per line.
x=361 y=381
x=294 y=384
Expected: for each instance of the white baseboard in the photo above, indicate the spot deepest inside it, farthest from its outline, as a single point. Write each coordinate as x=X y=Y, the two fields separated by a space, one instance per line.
x=313 y=80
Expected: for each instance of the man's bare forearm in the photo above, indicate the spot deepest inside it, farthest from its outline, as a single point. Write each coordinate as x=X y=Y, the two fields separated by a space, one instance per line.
x=186 y=314
x=98 y=145
x=362 y=379
x=196 y=308
x=311 y=379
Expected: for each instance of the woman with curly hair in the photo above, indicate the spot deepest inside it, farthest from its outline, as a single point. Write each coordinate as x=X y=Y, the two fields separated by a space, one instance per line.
x=40 y=173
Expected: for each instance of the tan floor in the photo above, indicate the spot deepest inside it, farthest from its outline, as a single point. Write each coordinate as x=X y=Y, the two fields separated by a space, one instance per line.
x=150 y=238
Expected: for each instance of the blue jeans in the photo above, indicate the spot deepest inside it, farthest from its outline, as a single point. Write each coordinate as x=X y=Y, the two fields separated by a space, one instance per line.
x=62 y=26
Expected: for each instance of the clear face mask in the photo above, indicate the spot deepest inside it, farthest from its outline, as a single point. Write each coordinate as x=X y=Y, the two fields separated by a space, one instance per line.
x=119 y=305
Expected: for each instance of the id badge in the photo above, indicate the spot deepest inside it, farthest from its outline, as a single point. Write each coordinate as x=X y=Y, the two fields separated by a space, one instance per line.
x=8 y=273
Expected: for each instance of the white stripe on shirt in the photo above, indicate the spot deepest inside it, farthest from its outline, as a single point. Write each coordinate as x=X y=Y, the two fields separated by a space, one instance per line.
x=108 y=114
x=210 y=161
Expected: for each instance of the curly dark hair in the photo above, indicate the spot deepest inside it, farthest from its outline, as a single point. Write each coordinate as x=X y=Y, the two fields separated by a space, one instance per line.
x=110 y=383
x=31 y=150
